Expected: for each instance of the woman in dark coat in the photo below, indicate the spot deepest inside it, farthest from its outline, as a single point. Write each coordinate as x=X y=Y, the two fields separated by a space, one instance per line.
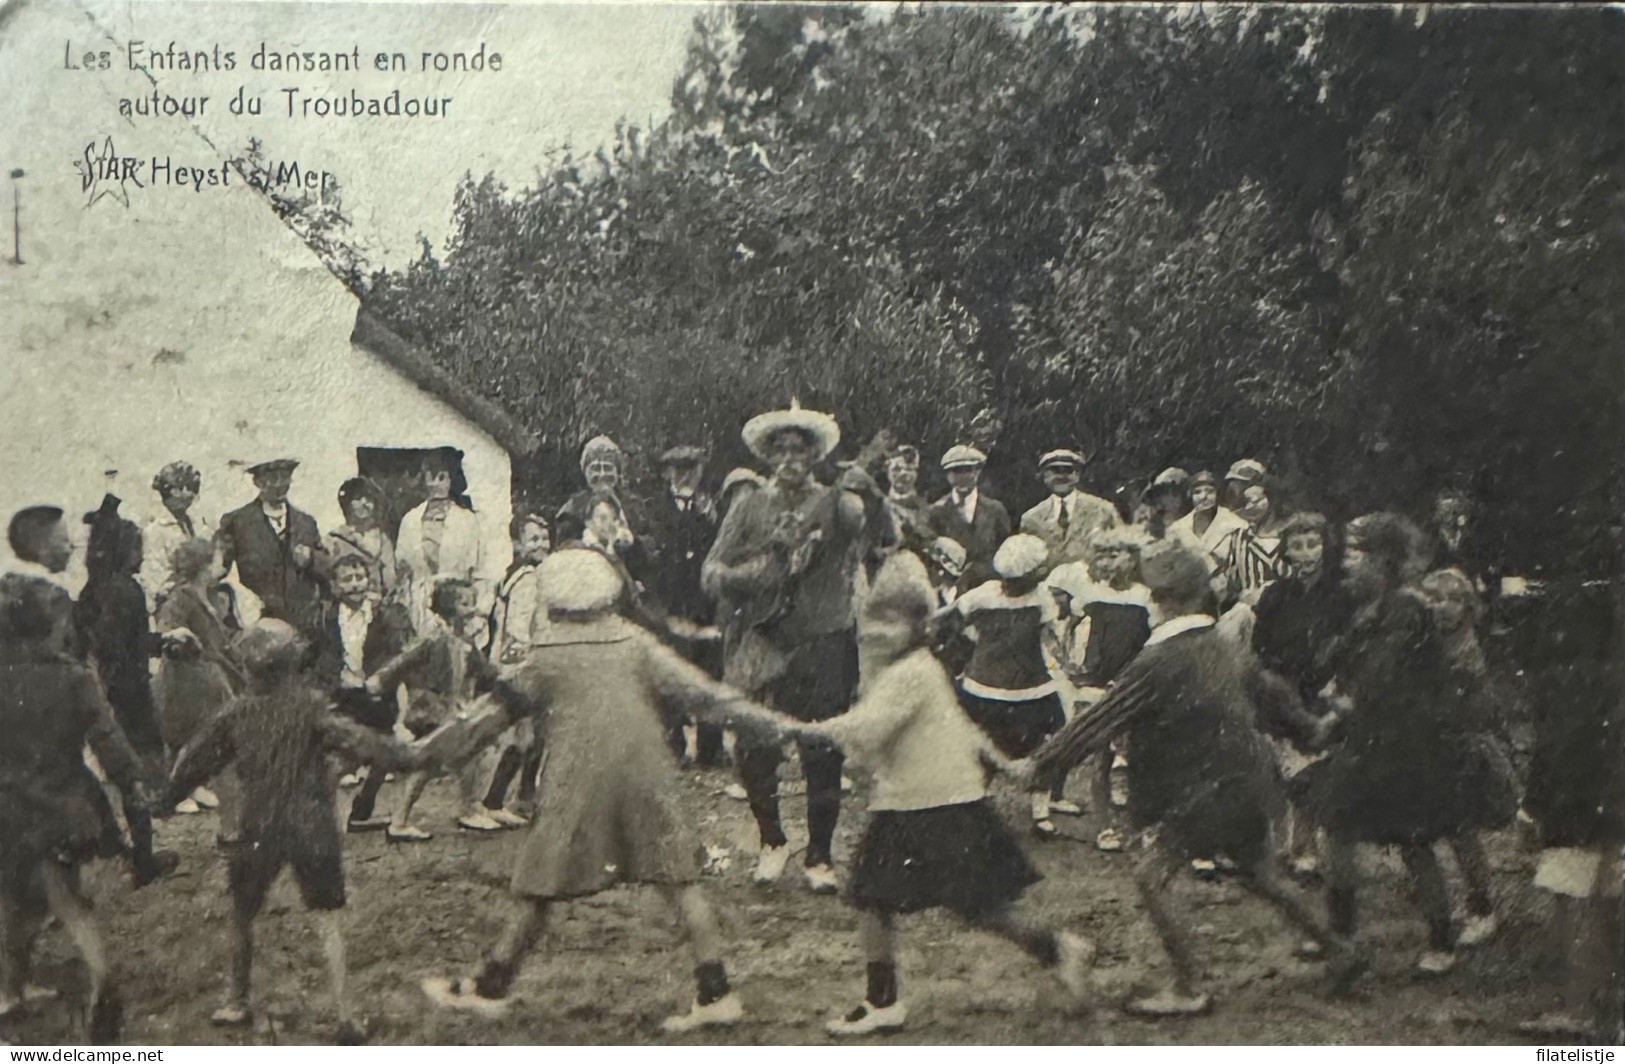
x=1392 y=778
x=115 y=631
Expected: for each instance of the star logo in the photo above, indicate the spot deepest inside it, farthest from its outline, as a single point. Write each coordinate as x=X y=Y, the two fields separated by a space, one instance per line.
x=103 y=173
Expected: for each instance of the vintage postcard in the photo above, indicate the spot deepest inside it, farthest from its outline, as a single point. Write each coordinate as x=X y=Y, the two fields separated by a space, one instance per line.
x=690 y=523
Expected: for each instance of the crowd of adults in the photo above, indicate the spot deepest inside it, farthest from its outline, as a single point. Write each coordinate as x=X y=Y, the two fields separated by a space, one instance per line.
x=1356 y=651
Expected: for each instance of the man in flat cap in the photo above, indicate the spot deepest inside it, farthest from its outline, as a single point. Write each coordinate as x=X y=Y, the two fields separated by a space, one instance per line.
x=1068 y=520
x=683 y=526
x=965 y=515
x=787 y=558
x=274 y=547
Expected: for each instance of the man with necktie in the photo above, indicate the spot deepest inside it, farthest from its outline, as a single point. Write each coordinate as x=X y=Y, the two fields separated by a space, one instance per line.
x=274 y=547
x=1069 y=519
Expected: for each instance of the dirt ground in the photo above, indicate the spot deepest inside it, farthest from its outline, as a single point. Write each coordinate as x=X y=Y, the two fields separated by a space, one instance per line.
x=613 y=966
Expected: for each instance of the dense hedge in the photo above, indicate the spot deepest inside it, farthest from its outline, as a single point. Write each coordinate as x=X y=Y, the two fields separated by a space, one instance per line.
x=1377 y=249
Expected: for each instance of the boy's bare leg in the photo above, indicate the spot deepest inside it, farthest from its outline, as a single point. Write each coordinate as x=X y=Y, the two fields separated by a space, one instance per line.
x=414 y=790
x=68 y=906
x=1154 y=869
x=699 y=922
x=330 y=926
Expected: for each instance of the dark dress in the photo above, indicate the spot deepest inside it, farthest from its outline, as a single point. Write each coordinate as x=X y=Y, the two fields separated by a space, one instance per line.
x=115 y=631
x=1007 y=688
x=1396 y=775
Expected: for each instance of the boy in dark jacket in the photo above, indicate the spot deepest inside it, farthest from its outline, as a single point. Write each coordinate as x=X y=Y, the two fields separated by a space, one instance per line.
x=277 y=734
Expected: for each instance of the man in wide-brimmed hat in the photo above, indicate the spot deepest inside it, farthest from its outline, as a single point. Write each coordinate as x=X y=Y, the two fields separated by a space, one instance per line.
x=274 y=547
x=967 y=516
x=1068 y=520
x=787 y=559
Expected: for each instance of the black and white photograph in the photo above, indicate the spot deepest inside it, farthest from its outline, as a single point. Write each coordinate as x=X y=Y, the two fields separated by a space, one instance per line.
x=696 y=524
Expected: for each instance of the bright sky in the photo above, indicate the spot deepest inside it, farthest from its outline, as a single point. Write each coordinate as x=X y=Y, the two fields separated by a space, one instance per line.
x=569 y=71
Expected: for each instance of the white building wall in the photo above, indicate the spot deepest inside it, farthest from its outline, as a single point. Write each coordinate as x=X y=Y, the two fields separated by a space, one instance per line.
x=188 y=324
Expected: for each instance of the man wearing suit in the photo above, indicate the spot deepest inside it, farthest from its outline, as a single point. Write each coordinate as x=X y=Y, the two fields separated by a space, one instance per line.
x=274 y=547
x=359 y=635
x=683 y=526
x=1069 y=519
x=969 y=518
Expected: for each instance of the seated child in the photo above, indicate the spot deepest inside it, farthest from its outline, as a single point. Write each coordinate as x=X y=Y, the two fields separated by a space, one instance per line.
x=277 y=734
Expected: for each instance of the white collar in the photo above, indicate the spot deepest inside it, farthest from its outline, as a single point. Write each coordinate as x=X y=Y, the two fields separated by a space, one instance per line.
x=1064 y=500
x=279 y=508
x=38 y=572
x=1189 y=622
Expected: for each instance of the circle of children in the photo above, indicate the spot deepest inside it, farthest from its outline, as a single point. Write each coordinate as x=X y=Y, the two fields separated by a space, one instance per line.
x=1209 y=652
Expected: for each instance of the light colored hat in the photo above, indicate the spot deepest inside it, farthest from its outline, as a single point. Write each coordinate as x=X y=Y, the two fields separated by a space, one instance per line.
x=600 y=447
x=962 y=456
x=1171 y=479
x=1205 y=477
x=1020 y=555
x=738 y=477
x=1062 y=456
x=268 y=644
x=578 y=580
x=948 y=553
x=1171 y=570
x=683 y=454
x=1248 y=470
x=823 y=429
x=272 y=465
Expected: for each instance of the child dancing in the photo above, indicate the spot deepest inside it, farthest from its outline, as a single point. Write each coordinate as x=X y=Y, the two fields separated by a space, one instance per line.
x=53 y=814
x=277 y=734
x=606 y=810
x=1202 y=782
x=933 y=839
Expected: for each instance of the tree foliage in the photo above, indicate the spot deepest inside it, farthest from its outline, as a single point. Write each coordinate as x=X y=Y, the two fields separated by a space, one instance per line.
x=1378 y=249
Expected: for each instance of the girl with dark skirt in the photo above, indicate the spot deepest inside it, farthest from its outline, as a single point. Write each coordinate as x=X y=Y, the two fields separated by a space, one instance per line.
x=933 y=839
x=116 y=632
x=1007 y=689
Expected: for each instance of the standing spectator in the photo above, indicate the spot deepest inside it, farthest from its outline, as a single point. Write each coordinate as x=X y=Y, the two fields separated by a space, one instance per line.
x=603 y=466
x=275 y=548
x=362 y=535
x=1457 y=543
x=1395 y=776
x=789 y=556
x=441 y=538
x=1208 y=524
x=518 y=623
x=116 y=633
x=684 y=526
x=1069 y=519
x=973 y=520
x=177 y=485
x=360 y=634
x=1167 y=499
x=1250 y=557
x=909 y=514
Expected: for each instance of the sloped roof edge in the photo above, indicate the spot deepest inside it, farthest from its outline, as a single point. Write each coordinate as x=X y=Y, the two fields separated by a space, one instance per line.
x=373 y=335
